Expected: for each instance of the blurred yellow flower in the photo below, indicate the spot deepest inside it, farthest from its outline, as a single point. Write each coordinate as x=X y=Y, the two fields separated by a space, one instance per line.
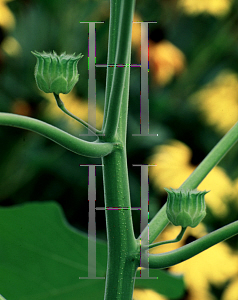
x=76 y=106
x=174 y=167
x=166 y=61
x=7 y=19
x=144 y=294
x=11 y=46
x=218 y=101
x=216 y=265
x=213 y=7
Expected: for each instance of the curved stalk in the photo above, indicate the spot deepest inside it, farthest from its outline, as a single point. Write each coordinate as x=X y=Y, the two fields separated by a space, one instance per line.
x=60 y=104
x=64 y=139
x=168 y=259
x=177 y=239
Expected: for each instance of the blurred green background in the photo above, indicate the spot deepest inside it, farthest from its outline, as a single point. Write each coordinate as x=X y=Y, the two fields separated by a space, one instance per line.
x=193 y=101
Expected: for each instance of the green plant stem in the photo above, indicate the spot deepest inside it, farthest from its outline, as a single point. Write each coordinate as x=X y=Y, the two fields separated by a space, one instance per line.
x=123 y=249
x=112 y=47
x=168 y=259
x=60 y=104
x=122 y=246
x=177 y=239
x=124 y=30
x=66 y=140
x=160 y=221
x=212 y=159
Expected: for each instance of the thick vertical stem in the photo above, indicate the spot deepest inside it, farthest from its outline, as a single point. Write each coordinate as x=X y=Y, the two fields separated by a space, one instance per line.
x=122 y=245
x=123 y=249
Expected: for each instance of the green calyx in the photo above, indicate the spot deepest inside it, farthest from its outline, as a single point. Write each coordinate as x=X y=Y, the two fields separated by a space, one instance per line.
x=185 y=207
x=56 y=73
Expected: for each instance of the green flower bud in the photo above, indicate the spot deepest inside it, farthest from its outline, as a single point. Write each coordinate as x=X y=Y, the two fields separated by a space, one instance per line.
x=185 y=207
x=56 y=74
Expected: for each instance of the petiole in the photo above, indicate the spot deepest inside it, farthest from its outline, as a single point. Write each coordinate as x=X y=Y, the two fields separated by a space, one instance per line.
x=60 y=104
x=177 y=239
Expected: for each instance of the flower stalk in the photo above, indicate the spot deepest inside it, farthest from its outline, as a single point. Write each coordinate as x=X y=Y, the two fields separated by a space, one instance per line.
x=177 y=239
x=61 y=105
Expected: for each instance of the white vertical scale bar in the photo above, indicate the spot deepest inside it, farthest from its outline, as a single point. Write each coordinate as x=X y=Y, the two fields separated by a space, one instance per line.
x=144 y=79
x=91 y=75
x=144 y=274
x=144 y=219
x=144 y=97
x=92 y=224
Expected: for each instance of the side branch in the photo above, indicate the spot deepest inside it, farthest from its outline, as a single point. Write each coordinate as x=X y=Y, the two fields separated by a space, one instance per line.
x=160 y=220
x=212 y=159
x=168 y=259
x=64 y=139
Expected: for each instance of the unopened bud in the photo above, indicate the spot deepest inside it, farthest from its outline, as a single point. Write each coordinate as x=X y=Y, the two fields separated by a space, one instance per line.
x=56 y=74
x=185 y=207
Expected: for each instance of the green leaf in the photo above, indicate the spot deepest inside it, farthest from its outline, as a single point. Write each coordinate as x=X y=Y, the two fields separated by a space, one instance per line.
x=42 y=258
